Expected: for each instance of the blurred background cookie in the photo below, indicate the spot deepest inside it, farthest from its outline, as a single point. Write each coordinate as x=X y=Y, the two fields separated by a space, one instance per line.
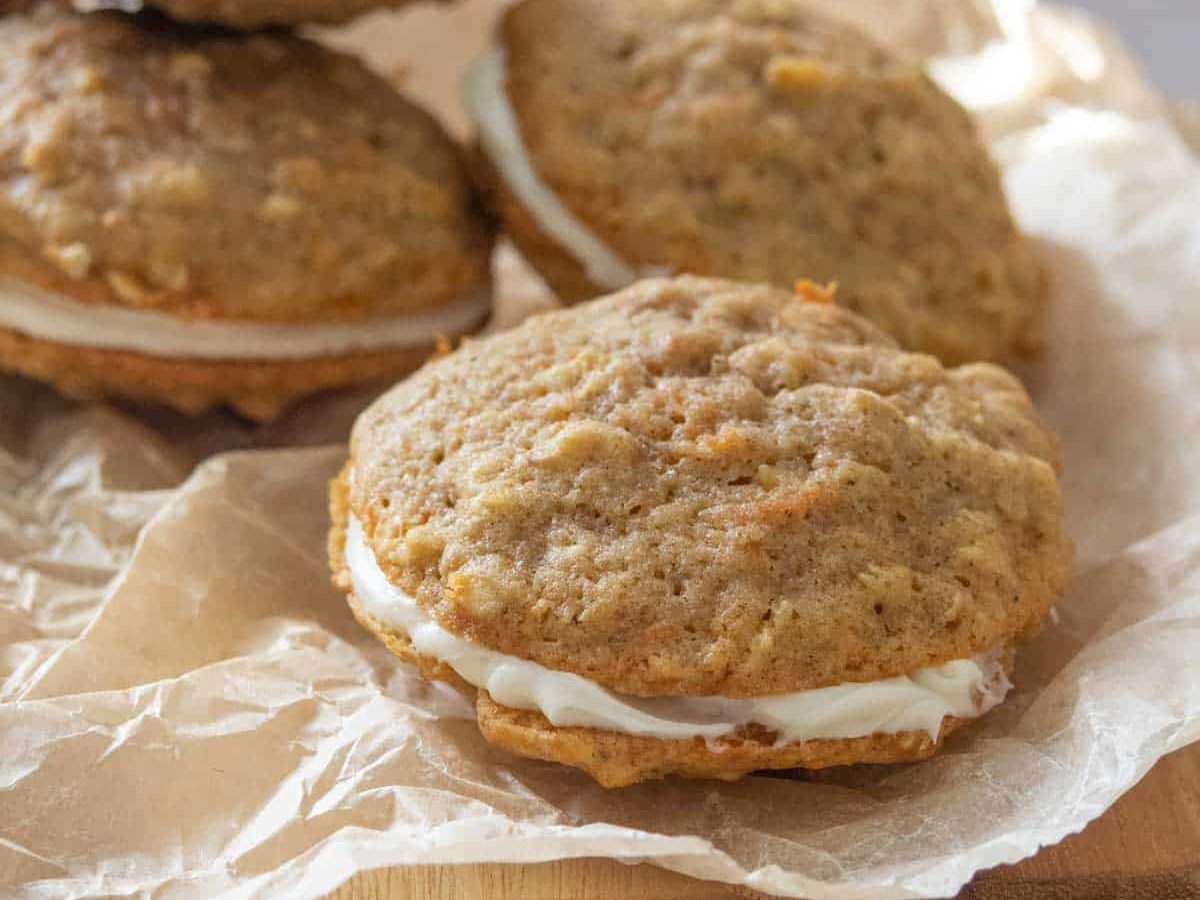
x=701 y=527
x=194 y=218
x=753 y=140
x=252 y=14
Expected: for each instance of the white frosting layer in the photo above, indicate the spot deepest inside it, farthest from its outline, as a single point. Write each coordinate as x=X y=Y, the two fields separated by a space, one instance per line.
x=500 y=136
x=964 y=688
x=51 y=317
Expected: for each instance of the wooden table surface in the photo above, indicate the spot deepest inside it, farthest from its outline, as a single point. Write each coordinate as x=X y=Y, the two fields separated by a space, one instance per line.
x=1146 y=846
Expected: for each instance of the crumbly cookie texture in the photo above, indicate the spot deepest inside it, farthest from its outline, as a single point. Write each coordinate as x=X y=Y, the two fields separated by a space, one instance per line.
x=614 y=759
x=205 y=174
x=701 y=487
x=258 y=390
x=757 y=140
x=265 y=13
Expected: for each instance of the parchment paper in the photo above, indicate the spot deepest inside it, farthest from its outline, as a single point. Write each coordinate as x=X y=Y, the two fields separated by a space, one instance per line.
x=193 y=712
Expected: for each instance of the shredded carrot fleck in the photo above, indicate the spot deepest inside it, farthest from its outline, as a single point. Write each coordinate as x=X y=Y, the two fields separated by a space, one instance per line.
x=811 y=292
x=444 y=345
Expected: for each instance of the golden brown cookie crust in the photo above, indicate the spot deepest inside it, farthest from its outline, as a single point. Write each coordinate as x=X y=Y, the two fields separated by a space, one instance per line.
x=611 y=758
x=758 y=141
x=204 y=174
x=258 y=390
x=617 y=760
x=701 y=487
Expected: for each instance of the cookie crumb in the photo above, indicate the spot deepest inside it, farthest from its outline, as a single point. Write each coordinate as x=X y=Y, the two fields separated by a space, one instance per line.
x=190 y=66
x=182 y=186
x=128 y=288
x=90 y=80
x=74 y=259
x=279 y=208
x=796 y=73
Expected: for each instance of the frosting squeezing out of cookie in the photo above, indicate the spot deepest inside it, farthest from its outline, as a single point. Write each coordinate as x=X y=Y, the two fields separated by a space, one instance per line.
x=500 y=134
x=964 y=688
x=40 y=314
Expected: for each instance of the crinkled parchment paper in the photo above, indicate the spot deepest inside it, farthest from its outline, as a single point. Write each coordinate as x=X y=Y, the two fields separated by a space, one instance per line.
x=193 y=712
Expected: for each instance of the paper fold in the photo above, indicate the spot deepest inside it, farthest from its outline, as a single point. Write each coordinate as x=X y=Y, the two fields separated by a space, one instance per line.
x=194 y=712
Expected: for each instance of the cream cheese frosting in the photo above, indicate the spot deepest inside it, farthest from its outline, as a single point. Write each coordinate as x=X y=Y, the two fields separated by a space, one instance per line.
x=47 y=316
x=964 y=688
x=500 y=136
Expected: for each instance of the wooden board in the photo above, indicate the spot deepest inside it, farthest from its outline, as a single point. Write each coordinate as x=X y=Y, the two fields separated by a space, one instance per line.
x=1146 y=846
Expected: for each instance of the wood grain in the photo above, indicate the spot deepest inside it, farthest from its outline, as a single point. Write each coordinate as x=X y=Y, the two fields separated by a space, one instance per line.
x=1151 y=837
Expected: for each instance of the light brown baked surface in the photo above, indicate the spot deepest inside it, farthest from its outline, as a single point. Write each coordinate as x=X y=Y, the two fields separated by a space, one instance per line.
x=205 y=174
x=702 y=487
x=259 y=390
x=264 y=13
x=616 y=759
x=758 y=141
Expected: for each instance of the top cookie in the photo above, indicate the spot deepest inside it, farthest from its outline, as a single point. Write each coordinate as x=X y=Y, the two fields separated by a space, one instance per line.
x=709 y=488
x=756 y=140
x=260 y=177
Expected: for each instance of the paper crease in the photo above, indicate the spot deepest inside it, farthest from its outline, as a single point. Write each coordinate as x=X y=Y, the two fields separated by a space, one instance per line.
x=194 y=713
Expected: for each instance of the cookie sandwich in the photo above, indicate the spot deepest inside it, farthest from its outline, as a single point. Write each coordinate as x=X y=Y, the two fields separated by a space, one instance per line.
x=702 y=528
x=753 y=140
x=193 y=218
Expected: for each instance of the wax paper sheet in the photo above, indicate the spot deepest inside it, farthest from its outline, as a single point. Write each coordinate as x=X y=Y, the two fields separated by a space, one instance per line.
x=188 y=710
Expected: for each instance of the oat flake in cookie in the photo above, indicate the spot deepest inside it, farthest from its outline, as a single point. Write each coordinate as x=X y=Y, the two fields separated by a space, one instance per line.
x=702 y=527
x=750 y=140
x=193 y=218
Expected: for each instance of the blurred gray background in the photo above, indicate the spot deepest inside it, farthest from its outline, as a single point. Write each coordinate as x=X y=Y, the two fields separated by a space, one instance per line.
x=1164 y=33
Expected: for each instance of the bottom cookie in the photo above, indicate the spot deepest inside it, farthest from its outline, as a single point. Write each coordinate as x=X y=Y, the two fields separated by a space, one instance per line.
x=618 y=760
x=259 y=390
